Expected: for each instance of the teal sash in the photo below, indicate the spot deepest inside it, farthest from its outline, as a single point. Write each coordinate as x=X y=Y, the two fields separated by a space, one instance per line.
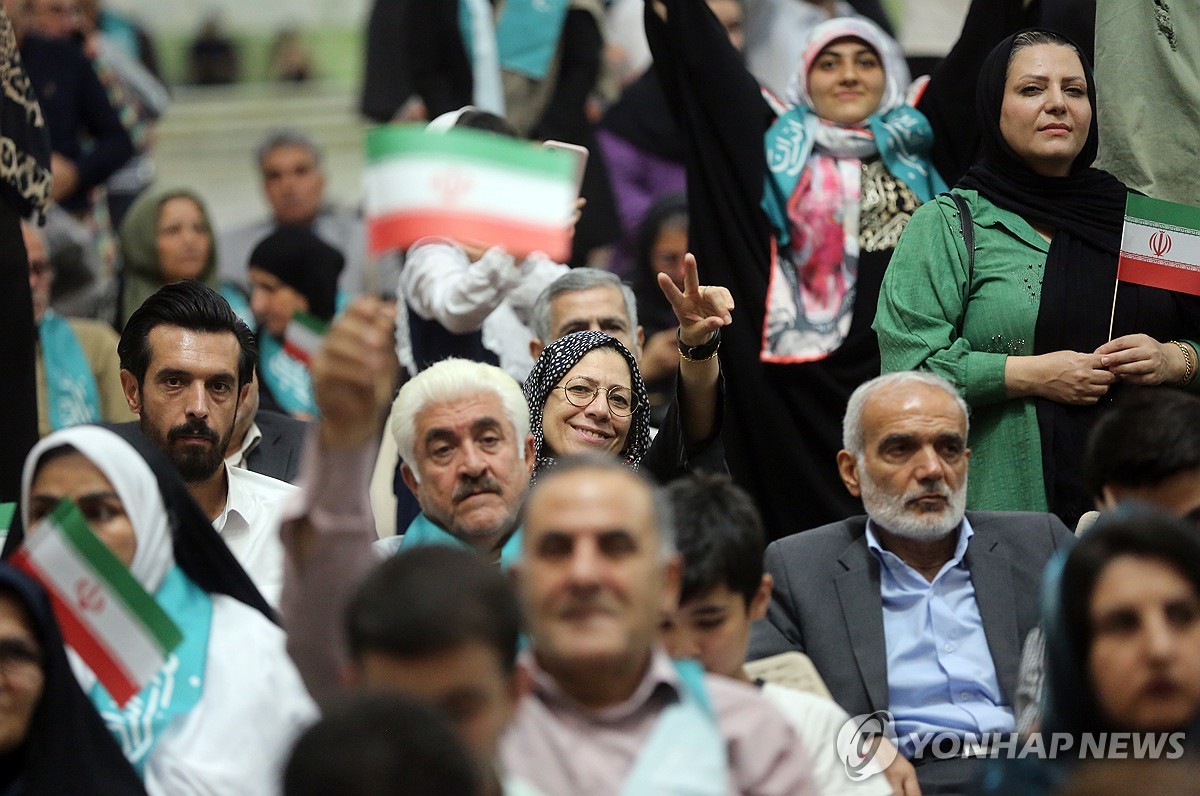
x=71 y=392
x=528 y=33
x=685 y=753
x=466 y=29
x=903 y=137
x=179 y=684
x=423 y=531
x=285 y=377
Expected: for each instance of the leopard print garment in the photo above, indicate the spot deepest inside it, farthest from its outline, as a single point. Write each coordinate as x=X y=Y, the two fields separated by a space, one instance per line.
x=23 y=136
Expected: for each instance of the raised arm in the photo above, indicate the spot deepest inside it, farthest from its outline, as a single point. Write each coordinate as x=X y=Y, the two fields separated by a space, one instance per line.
x=327 y=539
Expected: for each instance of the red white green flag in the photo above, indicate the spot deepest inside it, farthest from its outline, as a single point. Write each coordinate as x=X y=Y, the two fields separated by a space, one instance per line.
x=105 y=615
x=467 y=185
x=303 y=336
x=1160 y=245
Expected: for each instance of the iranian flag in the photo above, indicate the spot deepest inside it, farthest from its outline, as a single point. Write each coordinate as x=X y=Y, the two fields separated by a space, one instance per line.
x=470 y=186
x=303 y=336
x=1160 y=245
x=105 y=615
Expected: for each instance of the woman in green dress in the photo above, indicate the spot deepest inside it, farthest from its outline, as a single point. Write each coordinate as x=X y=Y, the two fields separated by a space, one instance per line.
x=1020 y=324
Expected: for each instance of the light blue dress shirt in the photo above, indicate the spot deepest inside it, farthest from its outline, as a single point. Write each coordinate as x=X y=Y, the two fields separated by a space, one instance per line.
x=941 y=677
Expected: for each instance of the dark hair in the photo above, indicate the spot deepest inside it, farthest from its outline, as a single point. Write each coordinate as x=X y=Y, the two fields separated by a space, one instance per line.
x=379 y=744
x=1032 y=38
x=1147 y=437
x=1133 y=531
x=432 y=599
x=670 y=210
x=189 y=305
x=476 y=119
x=719 y=534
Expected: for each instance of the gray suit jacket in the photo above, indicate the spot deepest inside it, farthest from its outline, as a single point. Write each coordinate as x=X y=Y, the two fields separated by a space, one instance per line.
x=279 y=452
x=826 y=601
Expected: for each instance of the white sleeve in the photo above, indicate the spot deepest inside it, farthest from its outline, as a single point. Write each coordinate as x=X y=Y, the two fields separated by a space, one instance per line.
x=537 y=271
x=439 y=283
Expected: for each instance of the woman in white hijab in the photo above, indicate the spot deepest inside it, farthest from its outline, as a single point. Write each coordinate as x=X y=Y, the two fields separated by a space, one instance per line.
x=222 y=712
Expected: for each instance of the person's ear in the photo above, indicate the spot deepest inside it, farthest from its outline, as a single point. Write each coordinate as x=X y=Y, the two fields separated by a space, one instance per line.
x=133 y=395
x=761 y=599
x=244 y=394
x=535 y=347
x=410 y=479
x=847 y=464
x=530 y=453
x=350 y=675
x=672 y=583
x=640 y=337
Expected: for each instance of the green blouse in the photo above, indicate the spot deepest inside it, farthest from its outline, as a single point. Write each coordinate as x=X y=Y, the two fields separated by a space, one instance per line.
x=936 y=314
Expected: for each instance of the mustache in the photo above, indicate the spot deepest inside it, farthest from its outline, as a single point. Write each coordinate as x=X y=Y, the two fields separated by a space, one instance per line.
x=193 y=428
x=476 y=485
x=595 y=601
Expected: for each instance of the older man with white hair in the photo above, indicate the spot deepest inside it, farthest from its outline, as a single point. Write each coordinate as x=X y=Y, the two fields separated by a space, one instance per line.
x=932 y=601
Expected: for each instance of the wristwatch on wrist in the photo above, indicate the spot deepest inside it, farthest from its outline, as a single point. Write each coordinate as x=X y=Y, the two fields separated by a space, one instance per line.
x=699 y=353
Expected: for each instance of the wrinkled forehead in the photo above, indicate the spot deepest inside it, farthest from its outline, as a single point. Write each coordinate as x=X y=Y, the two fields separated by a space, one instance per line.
x=200 y=353
x=588 y=502
x=585 y=307
x=463 y=415
x=911 y=408
x=603 y=366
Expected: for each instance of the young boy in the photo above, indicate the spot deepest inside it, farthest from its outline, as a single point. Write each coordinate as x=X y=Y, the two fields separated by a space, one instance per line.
x=724 y=589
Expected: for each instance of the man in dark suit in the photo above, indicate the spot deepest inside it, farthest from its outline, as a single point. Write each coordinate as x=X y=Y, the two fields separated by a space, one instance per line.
x=266 y=442
x=918 y=608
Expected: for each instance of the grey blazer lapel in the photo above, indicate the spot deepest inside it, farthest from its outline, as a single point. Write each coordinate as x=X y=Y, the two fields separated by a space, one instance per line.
x=862 y=610
x=991 y=575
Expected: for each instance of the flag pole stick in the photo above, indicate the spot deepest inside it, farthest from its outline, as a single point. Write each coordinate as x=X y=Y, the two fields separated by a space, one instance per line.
x=1112 y=315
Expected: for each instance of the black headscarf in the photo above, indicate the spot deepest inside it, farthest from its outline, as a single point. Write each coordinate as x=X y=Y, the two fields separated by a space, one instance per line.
x=67 y=749
x=654 y=311
x=556 y=361
x=304 y=262
x=1086 y=210
x=198 y=549
x=1070 y=702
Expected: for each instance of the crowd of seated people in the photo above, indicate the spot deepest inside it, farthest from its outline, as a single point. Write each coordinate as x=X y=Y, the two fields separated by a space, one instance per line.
x=866 y=484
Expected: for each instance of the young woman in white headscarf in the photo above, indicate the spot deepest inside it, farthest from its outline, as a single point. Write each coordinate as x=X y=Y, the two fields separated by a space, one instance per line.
x=222 y=712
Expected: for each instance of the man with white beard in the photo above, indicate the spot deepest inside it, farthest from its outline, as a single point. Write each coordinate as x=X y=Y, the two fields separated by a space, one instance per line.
x=919 y=607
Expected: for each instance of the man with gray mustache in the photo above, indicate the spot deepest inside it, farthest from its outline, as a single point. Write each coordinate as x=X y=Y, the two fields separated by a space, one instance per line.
x=919 y=607
x=462 y=430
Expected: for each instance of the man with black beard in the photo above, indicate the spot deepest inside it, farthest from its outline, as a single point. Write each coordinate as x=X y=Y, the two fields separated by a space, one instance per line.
x=919 y=608
x=186 y=364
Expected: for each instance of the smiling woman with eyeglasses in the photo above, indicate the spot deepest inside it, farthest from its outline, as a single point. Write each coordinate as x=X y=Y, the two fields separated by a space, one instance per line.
x=586 y=395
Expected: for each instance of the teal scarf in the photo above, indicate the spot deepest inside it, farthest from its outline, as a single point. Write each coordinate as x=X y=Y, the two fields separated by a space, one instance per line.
x=71 y=392
x=286 y=378
x=685 y=752
x=528 y=33
x=179 y=684
x=422 y=531
x=903 y=137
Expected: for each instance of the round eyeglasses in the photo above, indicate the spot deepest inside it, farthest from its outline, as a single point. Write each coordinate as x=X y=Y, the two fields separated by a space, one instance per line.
x=581 y=391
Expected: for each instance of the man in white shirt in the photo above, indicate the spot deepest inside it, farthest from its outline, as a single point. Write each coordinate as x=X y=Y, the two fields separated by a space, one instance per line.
x=186 y=364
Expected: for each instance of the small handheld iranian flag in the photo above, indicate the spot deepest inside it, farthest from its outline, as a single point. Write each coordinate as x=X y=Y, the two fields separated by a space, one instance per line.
x=470 y=186
x=1160 y=245
x=303 y=336
x=106 y=616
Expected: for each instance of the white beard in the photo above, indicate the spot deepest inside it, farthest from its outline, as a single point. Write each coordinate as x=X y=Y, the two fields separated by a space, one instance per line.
x=893 y=513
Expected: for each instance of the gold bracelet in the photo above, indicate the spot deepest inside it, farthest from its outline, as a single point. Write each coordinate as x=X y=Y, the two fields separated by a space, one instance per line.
x=1189 y=364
